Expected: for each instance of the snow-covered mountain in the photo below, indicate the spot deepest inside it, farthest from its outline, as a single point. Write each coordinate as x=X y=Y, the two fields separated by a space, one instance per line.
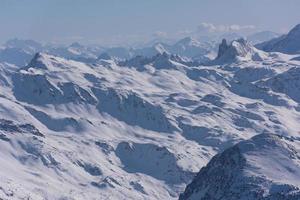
x=75 y=51
x=289 y=43
x=262 y=36
x=187 y=47
x=238 y=50
x=263 y=167
x=29 y=46
x=19 y=52
x=158 y=61
x=140 y=128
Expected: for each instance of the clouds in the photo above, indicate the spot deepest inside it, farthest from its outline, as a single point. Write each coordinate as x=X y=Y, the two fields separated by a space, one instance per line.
x=207 y=28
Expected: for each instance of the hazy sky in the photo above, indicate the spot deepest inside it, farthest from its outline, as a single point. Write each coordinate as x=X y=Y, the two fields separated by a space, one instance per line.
x=114 y=21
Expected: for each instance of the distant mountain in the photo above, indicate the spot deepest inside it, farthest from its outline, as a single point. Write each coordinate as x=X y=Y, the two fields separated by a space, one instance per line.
x=74 y=51
x=30 y=46
x=262 y=36
x=120 y=52
x=16 y=56
x=19 y=52
x=151 y=51
x=230 y=36
x=159 y=61
x=289 y=43
x=189 y=47
x=252 y=169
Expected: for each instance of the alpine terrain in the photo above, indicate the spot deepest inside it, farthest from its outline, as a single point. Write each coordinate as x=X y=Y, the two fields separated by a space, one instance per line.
x=187 y=120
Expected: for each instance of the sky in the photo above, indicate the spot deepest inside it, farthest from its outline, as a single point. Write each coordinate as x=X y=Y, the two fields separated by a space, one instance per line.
x=126 y=21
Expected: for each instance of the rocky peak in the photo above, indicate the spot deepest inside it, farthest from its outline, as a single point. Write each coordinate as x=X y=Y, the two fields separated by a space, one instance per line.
x=38 y=61
x=222 y=48
x=239 y=49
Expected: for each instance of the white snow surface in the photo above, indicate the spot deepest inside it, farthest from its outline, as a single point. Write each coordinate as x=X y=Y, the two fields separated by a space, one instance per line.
x=72 y=130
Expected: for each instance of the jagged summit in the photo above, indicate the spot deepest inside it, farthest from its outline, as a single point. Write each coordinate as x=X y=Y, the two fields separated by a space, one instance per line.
x=222 y=48
x=252 y=169
x=47 y=61
x=289 y=44
x=38 y=61
x=238 y=50
x=165 y=60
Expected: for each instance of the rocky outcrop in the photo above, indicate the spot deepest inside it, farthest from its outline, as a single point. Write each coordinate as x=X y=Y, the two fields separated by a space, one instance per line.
x=252 y=169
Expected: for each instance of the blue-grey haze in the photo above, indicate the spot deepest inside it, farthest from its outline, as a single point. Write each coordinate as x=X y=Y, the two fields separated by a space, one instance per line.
x=113 y=21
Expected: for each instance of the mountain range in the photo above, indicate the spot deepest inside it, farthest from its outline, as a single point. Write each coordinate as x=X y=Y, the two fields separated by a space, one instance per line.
x=169 y=121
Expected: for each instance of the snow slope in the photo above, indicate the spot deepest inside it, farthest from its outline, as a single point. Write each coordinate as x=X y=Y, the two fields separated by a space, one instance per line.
x=263 y=167
x=289 y=43
x=262 y=36
x=75 y=130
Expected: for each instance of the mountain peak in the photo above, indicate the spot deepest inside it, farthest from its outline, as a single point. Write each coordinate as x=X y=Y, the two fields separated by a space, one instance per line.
x=239 y=49
x=40 y=60
x=222 y=48
x=237 y=172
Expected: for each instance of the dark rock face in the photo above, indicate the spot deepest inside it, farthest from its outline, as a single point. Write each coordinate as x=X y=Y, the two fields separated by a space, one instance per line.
x=218 y=175
x=8 y=126
x=235 y=173
x=236 y=50
x=222 y=48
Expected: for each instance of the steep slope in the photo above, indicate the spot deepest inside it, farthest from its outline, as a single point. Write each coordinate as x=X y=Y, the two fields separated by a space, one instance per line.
x=265 y=167
x=289 y=44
